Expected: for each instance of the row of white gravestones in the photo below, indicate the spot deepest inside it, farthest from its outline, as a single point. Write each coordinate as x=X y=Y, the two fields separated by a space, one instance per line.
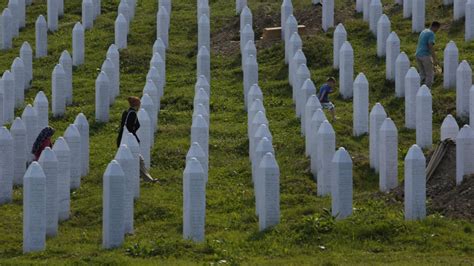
x=377 y=117
x=464 y=153
x=415 y=184
x=204 y=63
x=302 y=75
x=145 y=135
x=463 y=85
x=250 y=75
x=194 y=201
x=325 y=148
x=246 y=17
x=306 y=92
x=291 y=26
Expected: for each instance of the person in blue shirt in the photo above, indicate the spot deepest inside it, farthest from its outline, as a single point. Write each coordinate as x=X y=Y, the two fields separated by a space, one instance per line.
x=323 y=96
x=425 y=54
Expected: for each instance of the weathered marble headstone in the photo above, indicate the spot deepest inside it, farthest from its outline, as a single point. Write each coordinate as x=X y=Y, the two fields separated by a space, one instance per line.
x=240 y=5
x=6 y=166
x=26 y=54
x=30 y=118
x=18 y=132
x=6 y=29
x=8 y=86
x=393 y=49
x=375 y=11
x=261 y=132
x=78 y=45
x=269 y=177
x=247 y=34
x=294 y=45
x=340 y=37
x=34 y=209
x=295 y=62
x=121 y=31
x=203 y=9
x=150 y=108
x=53 y=16
x=63 y=154
x=388 y=156
x=87 y=14
x=164 y=3
x=41 y=107
x=82 y=125
x=194 y=201
x=21 y=13
x=41 y=37
x=158 y=62
x=204 y=34
x=318 y=118
x=58 y=84
x=407 y=8
x=366 y=10
x=312 y=104
x=73 y=139
x=424 y=118
x=154 y=94
x=418 y=16
x=361 y=105
x=66 y=62
x=464 y=153
x=291 y=26
x=204 y=63
x=102 y=98
x=402 y=65
x=144 y=134
x=124 y=9
x=113 y=222
x=195 y=151
x=346 y=70
x=132 y=143
x=49 y=163
x=307 y=89
x=13 y=6
x=341 y=184
x=249 y=49
x=162 y=26
x=246 y=17
x=254 y=93
x=415 y=184
x=159 y=47
x=250 y=75
x=326 y=138
x=463 y=85
x=302 y=74
x=459 y=9
x=449 y=128
x=451 y=63
x=328 y=14
x=200 y=133
x=125 y=158
x=286 y=11
x=258 y=119
x=18 y=71
x=383 y=30
x=469 y=24
x=154 y=75
x=377 y=117
x=412 y=84
x=255 y=107
x=108 y=68
x=114 y=55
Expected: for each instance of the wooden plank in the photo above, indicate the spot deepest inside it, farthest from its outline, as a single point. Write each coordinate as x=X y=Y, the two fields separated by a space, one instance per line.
x=274 y=33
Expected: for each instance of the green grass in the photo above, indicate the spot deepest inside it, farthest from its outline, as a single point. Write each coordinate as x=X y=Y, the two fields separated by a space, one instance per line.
x=376 y=232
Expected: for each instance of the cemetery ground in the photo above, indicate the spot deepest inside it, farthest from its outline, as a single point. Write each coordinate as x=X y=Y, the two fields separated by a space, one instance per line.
x=375 y=233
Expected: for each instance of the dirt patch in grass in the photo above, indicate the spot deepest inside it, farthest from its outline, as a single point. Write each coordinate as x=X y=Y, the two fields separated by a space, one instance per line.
x=444 y=196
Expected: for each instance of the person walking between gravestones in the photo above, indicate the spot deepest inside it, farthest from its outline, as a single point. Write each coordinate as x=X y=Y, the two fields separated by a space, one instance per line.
x=323 y=95
x=130 y=120
x=426 y=55
x=42 y=142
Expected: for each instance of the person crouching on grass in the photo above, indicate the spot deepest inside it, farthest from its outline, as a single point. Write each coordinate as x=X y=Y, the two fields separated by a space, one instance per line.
x=323 y=96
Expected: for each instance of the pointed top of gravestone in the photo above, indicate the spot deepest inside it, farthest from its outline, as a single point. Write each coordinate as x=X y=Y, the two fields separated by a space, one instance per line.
x=61 y=145
x=203 y=51
x=18 y=63
x=361 y=79
x=146 y=100
x=246 y=12
x=35 y=171
x=255 y=90
x=250 y=46
x=103 y=77
x=48 y=155
x=199 y=122
x=251 y=60
x=412 y=73
x=346 y=47
x=81 y=120
x=319 y=116
x=195 y=151
x=378 y=110
x=393 y=37
x=388 y=125
x=123 y=153
x=299 y=56
x=78 y=27
x=424 y=91
x=200 y=110
x=40 y=21
x=295 y=38
x=291 y=21
x=257 y=105
x=287 y=3
x=121 y=19
x=203 y=19
x=466 y=132
x=65 y=56
x=143 y=116
x=7 y=75
x=264 y=145
x=58 y=70
x=384 y=20
x=5 y=134
x=159 y=43
x=29 y=111
x=340 y=29
x=153 y=73
x=202 y=82
x=263 y=131
x=308 y=85
x=108 y=64
x=202 y=95
x=313 y=101
x=303 y=70
x=268 y=161
x=402 y=58
x=114 y=169
x=342 y=156
x=450 y=122
x=72 y=132
x=156 y=58
x=375 y=3
x=326 y=129
x=26 y=47
x=149 y=87
x=464 y=67
x=193 y=166
x=130 y=140
x=451 y=47
x=247 y=29
x=18 y=125
x=260 y=118
x=415 y=153
x=7 y=13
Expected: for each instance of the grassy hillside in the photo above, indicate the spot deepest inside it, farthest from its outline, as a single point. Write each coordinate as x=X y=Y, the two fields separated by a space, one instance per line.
x=376 y=232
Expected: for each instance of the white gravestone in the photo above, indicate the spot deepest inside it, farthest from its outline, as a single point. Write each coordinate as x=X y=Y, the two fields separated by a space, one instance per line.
x=154 y=75
x=341 y=184
x=463 y=85
x=424 y=118
x=297 y=60
x=203 y=9
x=121 y=32
x=132 y=143
x=418 y=16
x=340 y=37
x=196 y=151
x=269 y=176
x=200 y=133
x=464 y=153
x=144 y=134
x=261 y=132
x=375 y=11
x=361 y=105
x=150 y=108
x=302 y=74
x=469 y=24
x=63 y=154
x=60 y=8
x=125 y=158
x=58 y=84
x=384 y=27
x=49 y=163
x=78 y=46
x=328 y=14
x=114 y=55
x=393 y=49
x=246 y=17
x=264 y=146
x=6 y=166
x=204 y=63
x=6 y=29
x=154 y=94
x=294 y=45
x=124 y=9
x=377 y=116
x=291 y=26
x=194 y=201
x=415 y=184
x=326 y=138
x=52 y=7
x=18 y=132
x=13 y=6
x=102 y=106
x=286 y=11
x=312 y=104
x=258 y=119
x=202 y=98
x=449 y=128
x=73 y=139
x=305 y=92
x=159 y=47
x=41 y=107
x=407 y=8
x=34 y=209
x=8 y=85
x=202 y=83
x=316 y=121
x=239 y=5
x=201 y=110
x=255 y=107
x=87 y=14
x=346 y=70
x=402 y=65
x=162 y=26
x=109 y=68
x=388 y=156
x=451 y=63
x=41 y=37
x=204 y=32
x=26 y=54
x=250 y=75
x=82 y=125
x=18 y=71
x=22 y=13
x=66 y=61
x=359 y=6
x=30 y=118
x=246 y=35
x=158 y=62
x=366 y=10
x=254 y=93
x=113 y=206
x=412 y=84
x=459 y=9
